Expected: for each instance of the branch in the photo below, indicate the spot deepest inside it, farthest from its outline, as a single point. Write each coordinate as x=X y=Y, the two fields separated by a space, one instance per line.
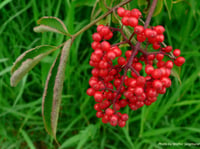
x=153 y=6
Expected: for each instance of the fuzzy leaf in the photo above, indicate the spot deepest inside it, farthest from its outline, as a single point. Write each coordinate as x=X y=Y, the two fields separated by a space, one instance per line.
x=47 y=99
x=51 y=24
x=27 y=61
x=53 y=91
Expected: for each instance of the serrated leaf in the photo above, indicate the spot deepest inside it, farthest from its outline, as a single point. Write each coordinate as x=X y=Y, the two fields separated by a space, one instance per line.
x=158 y=8
x=27 y=61
x=168 y=5
x=53 y=91
x=51 y=24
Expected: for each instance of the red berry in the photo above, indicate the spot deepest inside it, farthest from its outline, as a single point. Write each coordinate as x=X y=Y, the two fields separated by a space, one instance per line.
x=124 y=117
x=104 y=31
x=151 y=57
x=160 y=38
x=109 y=111
x=114 y=120
x=166 y=82
x=121 y=61
x=123 y=103
x=96 y=37
x=99 y=114
x=103 y=64
x=99 y=27
x=138 y=91
x=108 y=36
x=156 y=45
x=157 y=84
x=138 y=66
x=138 y=29
x=136 y=13
x=128 y=53
x=159 y=57
x=151 y=92
x=139 y=103
x=111 y=55
x=98 y=96
x=133 y=107
x=90 y=91
x=169 y=64
x=95 y=45
x=103 y=72
x=127 y=13
x=117 y=51
x=177 y=52
x=168 y=48
x=121 y=11
x=121 y=123
x=141 y=37
x=117 y=106
x=105 y=45
x=159 y=29
x=140 y=81
x=97 y=107
x=132 y=21
x=179 y=61
x=156 y=74
x=105 y=119
x=125 y=21
x=149 y=33
x=149 y=69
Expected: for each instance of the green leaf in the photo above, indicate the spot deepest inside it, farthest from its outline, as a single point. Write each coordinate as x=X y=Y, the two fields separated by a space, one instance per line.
x=158 y=8
x=175 y=73
x=27 y=61
x=51 y=24
x=53 y=91
x=85 y=3
x=102 y=6
x=142 y=2
x=168 y=5
x=47 y=99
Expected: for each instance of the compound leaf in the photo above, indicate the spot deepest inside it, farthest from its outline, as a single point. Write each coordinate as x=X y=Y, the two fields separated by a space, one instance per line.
x=51 y=24
x=27 y=61
x=53 y=91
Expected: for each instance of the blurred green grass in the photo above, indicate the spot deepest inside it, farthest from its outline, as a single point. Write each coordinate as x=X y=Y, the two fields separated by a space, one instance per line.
x=173 y=118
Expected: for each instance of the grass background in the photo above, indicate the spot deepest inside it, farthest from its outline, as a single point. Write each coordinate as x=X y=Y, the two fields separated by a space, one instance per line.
x=173 y=118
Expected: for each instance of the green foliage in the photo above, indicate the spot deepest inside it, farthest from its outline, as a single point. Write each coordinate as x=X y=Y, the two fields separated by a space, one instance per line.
x=27 y=61
x=51 y=24
x=173 y=118
x=53 y=91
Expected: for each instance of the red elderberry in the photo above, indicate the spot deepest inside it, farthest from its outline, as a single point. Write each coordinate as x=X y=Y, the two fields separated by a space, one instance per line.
x=133 y=80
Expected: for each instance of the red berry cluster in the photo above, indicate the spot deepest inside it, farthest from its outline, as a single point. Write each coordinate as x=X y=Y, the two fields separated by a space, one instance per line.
x=112 y=86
